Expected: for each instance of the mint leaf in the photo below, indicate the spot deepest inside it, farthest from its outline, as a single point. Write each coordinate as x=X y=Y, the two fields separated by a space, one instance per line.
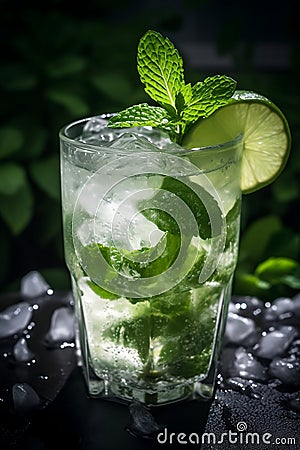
x=142 y=263
x=103 y=293
x=191 y=198
x=140 y=116
x=208 y=96
x=161 y=69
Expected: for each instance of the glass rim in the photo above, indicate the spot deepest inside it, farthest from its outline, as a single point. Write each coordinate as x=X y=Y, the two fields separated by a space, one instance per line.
x=184 y=151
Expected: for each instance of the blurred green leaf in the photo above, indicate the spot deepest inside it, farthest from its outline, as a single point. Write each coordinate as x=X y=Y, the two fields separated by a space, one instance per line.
x=65 y=65
x=12 y=178
x=287 y=187
x=114 y=85
x=256 y=237
x=45 y=173
x=16 y=77
x=11 y=139
x=5 y=255
x=249 y=284
x=34 y=142
x=284 y=242
x=69 y=100
x=49 y=224
x=17 y=209
x=58 y=279
x=277 y=270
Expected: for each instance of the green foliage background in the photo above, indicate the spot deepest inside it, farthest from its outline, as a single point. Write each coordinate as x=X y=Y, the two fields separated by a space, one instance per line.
x=60 y=63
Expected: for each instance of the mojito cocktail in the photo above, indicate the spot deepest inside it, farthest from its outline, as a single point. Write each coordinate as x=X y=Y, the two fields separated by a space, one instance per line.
x=151 y=241
x=151 y=202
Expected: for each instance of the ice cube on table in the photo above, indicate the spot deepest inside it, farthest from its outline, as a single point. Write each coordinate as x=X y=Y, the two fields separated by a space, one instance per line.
x=21 y=351
x=143 y=424
x=33 y=285
x=247 y=365
x=62 y=327
x=283 y=308
x=275 y=342
x=287 y=370
x=14 y=319
x=25 y=399
x=238 y=328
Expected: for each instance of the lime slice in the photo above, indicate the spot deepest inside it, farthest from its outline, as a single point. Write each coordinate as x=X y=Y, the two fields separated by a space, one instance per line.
x=267 y=137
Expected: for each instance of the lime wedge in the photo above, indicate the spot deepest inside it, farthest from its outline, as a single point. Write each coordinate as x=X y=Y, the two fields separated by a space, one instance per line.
x=267 y=137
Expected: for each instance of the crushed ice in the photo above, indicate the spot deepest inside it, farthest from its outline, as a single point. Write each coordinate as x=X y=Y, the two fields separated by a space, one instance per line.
x=95 y=132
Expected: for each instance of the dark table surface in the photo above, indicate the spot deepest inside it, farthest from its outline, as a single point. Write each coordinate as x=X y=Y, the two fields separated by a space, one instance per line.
x=44 y=403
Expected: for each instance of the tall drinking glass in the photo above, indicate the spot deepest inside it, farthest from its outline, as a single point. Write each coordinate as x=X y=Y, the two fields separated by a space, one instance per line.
x=151 y=240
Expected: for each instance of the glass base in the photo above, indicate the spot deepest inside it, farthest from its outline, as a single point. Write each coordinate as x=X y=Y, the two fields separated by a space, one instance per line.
x=122 y=392
x=122 y=386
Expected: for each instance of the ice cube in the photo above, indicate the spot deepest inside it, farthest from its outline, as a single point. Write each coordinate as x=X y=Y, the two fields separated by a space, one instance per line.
x=21 y=351
x=247 y=366
x=142 y=423
x=132 y=142
x=62 y=327
x=94 y=125
x=96 y=132
x=276 y=342
x=287 y=370
x=33 y=285
x=26 y=400
x=238 y=329
x=14 y=319
x=283 y=308
x=250 y=307
x=91 y=196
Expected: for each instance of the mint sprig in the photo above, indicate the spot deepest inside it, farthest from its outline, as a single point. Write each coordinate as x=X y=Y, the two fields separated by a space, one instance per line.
x=160 y=67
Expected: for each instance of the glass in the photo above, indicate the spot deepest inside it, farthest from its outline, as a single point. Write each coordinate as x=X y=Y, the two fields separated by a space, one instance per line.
x=151 y=240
